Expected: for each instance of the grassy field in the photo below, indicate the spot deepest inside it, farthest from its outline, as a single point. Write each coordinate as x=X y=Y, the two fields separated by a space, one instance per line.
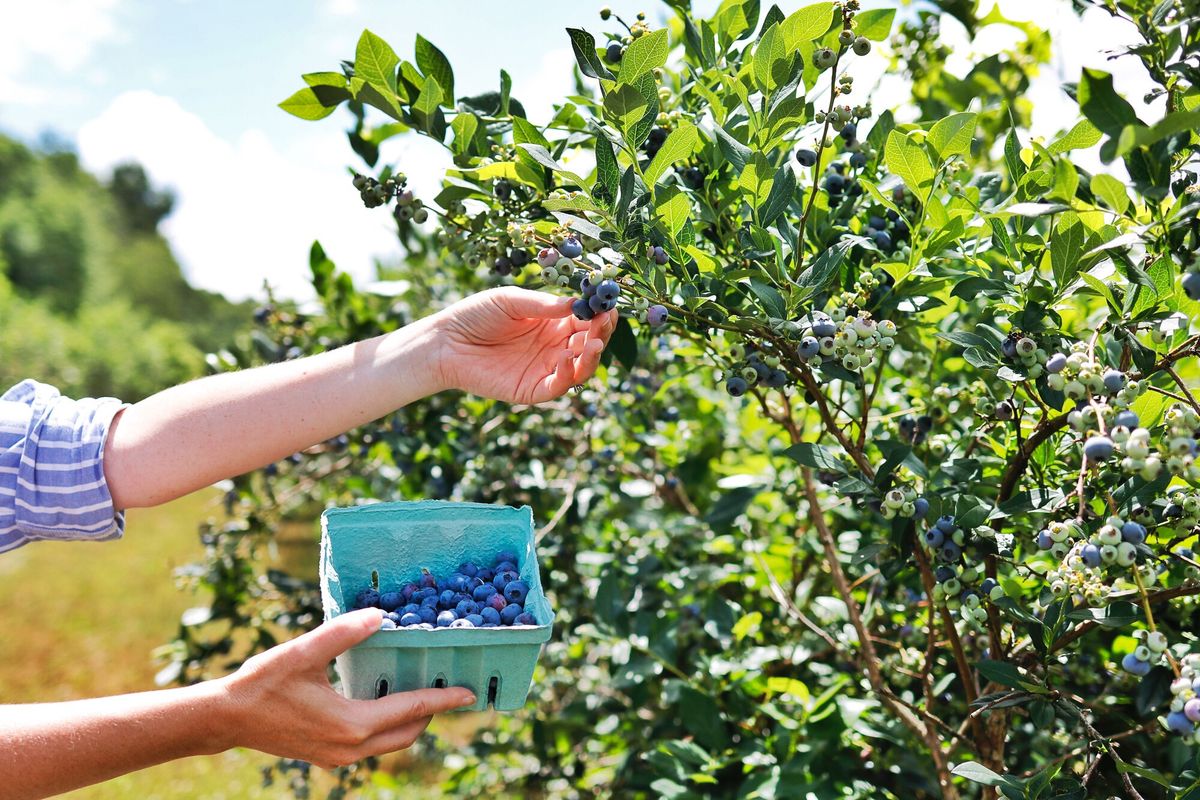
x=81 y=620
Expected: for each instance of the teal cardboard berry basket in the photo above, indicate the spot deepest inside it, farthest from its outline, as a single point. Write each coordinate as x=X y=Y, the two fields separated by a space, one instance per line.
x=395 y=541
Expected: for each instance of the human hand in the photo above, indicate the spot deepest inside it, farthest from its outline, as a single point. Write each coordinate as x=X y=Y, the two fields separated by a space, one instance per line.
x=518 y=345
x=282 y=702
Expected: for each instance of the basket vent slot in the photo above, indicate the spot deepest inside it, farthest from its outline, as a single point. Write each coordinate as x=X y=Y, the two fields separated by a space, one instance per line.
x=439 y=682
x=381 y=688
x=493 y=690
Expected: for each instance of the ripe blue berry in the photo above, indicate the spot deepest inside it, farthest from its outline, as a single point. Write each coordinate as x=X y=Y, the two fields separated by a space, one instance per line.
x=445 y=618
x=1097 y=448
x=1090 y=554
x=883 y=240
x=807 y=158
x=410 y=619
x=490 y=616
x=612 y=53
x=656 y=316
x=810 y=346
x=367 y=598
x=483 y=592
x=428 y=615
x=1008 y=348
x=390 y=601
x=1134 y=666
x=476 y=620
x=777 y=379
x=466 y=607
x=858 y=160
x=525 y=618
x=1114 y=380
x=1133 y=532
x=506 y=557
x=447 y=599
x=571 y=248
x=516 y=591
x=943 y=574
x=1056 y=363
x=387 y=625
x=1191 y=285
x=510 y=613
x=945 y=524
x=1044 y=540
x=934 y=538
x=950 y=551
x=1177 y=722
x=600 y=305
x=496 y=601
x=659 y=255
x=848 y=132
x=1127 y=418
x=736 y=386
x=582 y=309
x=920 y=508
x=608 y=290
x=823 y=326
x=503 y=578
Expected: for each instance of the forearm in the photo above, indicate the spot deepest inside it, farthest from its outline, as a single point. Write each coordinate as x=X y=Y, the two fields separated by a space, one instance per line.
x=49 y=748
x=190 y=436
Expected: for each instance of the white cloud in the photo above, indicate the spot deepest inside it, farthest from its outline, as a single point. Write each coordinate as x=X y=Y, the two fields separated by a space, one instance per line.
x=60 y=34
x=246 y=211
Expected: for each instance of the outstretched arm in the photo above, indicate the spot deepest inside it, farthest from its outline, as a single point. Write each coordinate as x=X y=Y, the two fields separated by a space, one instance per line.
x=509 y=344
x=279 y=702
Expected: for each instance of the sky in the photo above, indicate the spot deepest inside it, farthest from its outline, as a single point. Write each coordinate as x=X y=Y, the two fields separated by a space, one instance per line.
x=189 y=88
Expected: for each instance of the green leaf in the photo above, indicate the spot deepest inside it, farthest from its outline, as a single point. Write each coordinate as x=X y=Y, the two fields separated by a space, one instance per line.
x=506 y=95
x=465 y=125
x=625 y=106
x=679 y=145
x=608 y=173
x=584 y=45
x=756 y=179
x=673 y=208
x=875 y=23
x=909 y=160
x=952 y=136
x=1140 y=136
x=1082 y=136
x=430 y=98
x=767 y=54
x=1066 y=246
x=771 y=301
x=806 y=24
x=1148 y=774
x=1000 y=672
x=1012 y=156
x=434 y=64
x=525 y=132
x=375 y=62
x=733 y=151
x=643 y=54
x=624 y=344
x=1111 y=191
x=816 y=456
x=1101 y=104
x=823 y=269
x=783 y=189
x=978 y=773
x=305 y=104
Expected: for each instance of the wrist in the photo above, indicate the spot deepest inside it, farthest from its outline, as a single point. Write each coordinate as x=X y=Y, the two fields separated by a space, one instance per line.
x=221 y=714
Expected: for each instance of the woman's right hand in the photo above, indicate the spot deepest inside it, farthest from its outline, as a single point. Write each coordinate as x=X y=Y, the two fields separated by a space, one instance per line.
x=281 y=701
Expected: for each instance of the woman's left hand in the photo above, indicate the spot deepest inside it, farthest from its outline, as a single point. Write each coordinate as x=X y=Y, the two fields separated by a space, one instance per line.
x=517 y=345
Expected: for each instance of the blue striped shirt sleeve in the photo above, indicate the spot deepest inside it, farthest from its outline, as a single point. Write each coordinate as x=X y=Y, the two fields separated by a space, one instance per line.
x=52 y=482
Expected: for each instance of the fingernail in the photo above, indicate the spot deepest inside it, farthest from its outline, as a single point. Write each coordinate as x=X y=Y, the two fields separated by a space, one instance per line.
x=467 y=698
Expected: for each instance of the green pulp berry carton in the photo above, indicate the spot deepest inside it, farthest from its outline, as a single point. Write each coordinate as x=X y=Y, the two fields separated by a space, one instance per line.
x=395 y=541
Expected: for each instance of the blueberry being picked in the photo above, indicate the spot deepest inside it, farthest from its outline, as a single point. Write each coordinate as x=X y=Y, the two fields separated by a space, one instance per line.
x=608 y=290
x=582 y=309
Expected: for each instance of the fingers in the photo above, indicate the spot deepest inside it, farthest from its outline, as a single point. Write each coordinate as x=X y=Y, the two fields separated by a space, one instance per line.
x=322 y=645
x=527 y=304
x=395 y=739
x=396 y=710
x=577 y=341
x=589 y=360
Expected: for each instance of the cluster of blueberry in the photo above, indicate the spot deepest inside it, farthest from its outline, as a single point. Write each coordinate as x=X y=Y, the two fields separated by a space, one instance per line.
x=598 y=286
x=904 y=501
x=754 y=366
x=855 y=341
x=512 y=261
x=1151 y=647
x=1184 y=714
x=375 y=193
x=472 y=597
x=615 y=49
x=945 y=539
x=1115 y=543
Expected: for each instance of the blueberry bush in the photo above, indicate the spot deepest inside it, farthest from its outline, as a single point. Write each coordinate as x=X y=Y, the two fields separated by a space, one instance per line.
x=887 y=487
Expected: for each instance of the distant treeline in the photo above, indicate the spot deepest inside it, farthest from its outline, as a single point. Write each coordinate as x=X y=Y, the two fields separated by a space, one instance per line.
x=91 y=298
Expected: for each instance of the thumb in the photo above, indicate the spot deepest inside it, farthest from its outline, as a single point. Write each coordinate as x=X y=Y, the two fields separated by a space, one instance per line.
x=323 y=644
x=526 y=303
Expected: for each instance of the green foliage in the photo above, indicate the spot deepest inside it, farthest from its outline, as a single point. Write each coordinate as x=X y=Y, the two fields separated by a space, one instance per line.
x=747 y=607
x=91 y=298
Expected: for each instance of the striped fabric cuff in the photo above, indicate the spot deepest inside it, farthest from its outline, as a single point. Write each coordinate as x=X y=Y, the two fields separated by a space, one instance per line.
x=61 y=490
